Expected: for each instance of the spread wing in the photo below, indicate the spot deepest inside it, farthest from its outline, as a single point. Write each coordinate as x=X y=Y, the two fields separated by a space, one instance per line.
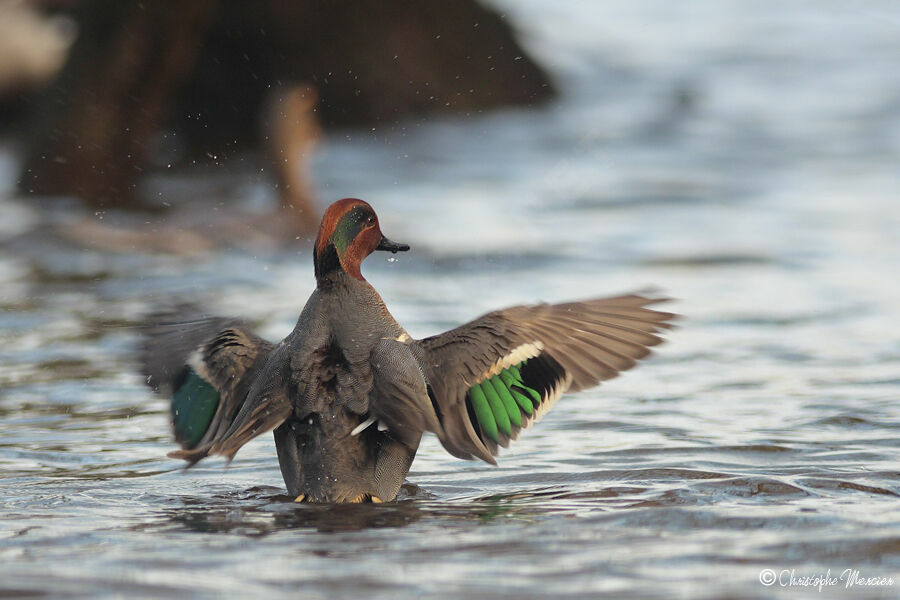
x=498 y=374
x=209 y=366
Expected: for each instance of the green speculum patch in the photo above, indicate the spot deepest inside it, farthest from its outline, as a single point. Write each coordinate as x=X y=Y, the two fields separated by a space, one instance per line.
x=193 y=407
x=499 y=401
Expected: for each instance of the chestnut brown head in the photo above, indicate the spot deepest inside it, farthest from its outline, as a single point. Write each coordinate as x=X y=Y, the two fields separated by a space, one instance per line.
x=348 y=234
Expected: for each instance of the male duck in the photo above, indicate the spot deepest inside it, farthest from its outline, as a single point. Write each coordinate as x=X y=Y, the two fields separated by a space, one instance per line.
x=349 y=393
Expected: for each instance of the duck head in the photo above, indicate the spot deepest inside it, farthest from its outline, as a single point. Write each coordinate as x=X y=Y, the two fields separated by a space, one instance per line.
x=349 y=233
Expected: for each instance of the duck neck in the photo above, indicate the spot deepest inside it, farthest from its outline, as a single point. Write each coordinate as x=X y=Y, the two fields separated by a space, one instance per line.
x=330 y=264
x=338 y=278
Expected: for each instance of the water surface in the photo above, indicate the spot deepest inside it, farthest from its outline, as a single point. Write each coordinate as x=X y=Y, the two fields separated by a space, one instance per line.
x=741 y=156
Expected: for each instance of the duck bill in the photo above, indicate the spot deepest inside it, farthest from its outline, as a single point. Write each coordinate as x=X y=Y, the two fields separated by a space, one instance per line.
x=390 y=246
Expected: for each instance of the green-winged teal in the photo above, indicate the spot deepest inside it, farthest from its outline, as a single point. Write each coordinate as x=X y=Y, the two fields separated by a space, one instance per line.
x=349 y=393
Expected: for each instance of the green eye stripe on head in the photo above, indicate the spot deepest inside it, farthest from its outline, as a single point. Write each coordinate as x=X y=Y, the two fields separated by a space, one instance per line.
x=347 y=228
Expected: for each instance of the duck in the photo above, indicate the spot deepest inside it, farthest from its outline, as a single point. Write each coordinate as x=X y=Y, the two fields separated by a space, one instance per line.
x=348 y=394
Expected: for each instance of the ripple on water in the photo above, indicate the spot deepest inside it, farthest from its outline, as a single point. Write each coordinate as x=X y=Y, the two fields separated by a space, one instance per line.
x=763 y=435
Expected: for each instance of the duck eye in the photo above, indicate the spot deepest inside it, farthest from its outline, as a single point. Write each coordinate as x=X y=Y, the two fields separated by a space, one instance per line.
x=370 y=220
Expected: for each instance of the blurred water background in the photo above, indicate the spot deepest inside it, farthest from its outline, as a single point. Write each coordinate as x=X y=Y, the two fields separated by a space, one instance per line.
x=742 y=156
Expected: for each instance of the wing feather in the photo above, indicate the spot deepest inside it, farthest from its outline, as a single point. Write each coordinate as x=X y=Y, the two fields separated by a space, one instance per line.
x=550 y=348
x=209 y=366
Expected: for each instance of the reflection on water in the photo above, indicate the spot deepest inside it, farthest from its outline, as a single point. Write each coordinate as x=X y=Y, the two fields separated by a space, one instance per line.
x=262 y=511
x=740 y=159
